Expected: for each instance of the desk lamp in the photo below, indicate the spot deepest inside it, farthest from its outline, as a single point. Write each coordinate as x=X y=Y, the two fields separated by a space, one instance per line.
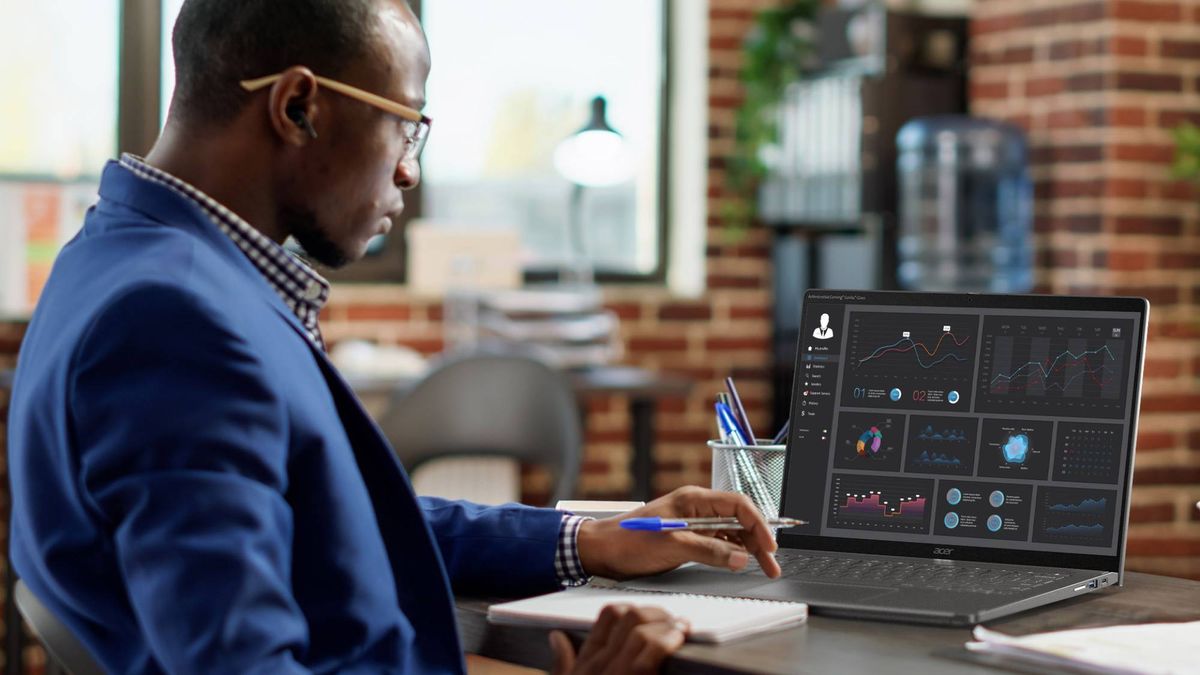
x=594 y=156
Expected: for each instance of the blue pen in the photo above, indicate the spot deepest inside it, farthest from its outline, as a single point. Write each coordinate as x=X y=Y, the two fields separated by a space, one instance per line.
x=660 y=524
x=729 y=426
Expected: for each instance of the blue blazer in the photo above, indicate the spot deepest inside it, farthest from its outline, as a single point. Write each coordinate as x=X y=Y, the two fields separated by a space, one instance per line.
x=196 y=489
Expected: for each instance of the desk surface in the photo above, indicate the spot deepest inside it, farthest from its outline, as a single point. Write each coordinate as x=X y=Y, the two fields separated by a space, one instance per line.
x=626 y=380
x=828 y=645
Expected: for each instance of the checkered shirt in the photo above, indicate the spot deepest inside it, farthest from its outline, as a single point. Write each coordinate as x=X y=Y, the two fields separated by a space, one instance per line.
x=303 y=290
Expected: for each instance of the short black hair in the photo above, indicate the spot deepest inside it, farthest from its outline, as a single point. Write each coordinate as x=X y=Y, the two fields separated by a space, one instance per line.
x=218 y=43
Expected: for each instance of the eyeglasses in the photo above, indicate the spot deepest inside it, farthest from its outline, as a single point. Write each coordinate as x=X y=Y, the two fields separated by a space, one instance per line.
x=416 y=125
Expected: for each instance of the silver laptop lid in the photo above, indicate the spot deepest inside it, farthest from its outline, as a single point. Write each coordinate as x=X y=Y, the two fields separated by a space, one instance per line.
x=966 y=427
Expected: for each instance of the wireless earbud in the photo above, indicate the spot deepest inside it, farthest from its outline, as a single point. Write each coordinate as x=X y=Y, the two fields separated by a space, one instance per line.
x=297 y=115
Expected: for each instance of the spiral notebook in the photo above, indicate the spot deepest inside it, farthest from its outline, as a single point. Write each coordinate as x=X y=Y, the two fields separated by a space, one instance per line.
x=712 y=618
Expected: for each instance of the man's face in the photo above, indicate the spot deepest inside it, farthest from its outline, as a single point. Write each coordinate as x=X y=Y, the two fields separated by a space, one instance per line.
x=351 y=184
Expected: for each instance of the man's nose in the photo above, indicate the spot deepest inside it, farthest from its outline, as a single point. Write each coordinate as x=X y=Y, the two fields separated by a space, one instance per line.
x=408 y=174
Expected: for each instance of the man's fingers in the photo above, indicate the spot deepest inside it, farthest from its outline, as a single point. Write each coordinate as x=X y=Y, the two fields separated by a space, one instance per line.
x=647 y=646
x=602 y=630
x=564 y=653
x=713 y=551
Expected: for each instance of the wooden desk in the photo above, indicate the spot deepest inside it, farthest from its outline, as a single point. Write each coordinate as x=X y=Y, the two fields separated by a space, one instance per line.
x=827 y=645
x=642 y=387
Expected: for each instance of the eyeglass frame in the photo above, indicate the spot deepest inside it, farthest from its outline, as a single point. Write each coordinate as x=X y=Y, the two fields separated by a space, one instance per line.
x=416 y=139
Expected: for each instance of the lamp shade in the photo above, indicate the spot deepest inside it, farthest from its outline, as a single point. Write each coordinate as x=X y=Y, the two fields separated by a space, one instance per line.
x=596 y=155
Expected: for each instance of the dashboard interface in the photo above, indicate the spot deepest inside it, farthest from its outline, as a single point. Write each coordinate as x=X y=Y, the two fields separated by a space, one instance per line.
x=981 y=426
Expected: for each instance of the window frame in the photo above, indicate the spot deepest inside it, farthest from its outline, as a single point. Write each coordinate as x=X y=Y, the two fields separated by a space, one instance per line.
x=138 y=115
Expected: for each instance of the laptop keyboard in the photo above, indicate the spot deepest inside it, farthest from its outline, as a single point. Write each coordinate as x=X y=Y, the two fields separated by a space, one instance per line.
x=917 y=574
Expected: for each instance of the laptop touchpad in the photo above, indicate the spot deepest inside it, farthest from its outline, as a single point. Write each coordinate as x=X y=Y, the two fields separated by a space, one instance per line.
x=815 y=593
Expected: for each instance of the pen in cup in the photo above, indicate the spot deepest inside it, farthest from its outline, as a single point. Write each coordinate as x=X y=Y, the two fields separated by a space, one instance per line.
x=657 y=524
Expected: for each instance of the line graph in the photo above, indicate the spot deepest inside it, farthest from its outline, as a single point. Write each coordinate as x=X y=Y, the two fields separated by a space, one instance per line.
x=907 y=344
x=1075 y=516
x=910 y=360
x=1050 y=366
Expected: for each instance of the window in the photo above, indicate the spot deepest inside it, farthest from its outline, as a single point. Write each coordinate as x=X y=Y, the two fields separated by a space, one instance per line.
x=509 y=82
x=58 y=63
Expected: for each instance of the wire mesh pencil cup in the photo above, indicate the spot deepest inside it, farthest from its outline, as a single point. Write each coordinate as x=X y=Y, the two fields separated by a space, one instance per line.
x=753 y=470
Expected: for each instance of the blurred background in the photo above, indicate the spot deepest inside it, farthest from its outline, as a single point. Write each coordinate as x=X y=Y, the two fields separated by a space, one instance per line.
x=762 y=147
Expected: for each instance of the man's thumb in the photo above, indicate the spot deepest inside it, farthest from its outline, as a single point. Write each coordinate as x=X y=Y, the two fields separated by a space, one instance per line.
x=564 y=653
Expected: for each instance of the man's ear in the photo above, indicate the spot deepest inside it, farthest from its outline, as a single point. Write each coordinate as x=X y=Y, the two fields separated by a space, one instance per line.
x=292 y=106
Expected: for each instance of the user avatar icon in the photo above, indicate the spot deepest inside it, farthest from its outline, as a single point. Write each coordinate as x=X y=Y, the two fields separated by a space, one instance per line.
x=823 y=332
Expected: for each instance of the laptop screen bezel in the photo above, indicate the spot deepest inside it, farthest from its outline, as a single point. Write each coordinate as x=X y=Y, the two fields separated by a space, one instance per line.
x=981 y=301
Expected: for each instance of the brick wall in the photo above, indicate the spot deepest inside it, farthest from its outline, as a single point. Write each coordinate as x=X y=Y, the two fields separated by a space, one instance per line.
x=722 y=333
x=1098 y=84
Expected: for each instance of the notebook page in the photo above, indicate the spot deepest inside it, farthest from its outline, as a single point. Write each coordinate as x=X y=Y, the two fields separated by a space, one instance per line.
x=712 y=618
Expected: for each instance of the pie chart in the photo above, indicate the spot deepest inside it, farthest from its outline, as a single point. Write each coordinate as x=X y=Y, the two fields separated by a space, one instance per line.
x=870 y=441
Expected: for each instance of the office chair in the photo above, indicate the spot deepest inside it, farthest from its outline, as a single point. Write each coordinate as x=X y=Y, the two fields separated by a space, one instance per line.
x=490 y=405
x=63 y=650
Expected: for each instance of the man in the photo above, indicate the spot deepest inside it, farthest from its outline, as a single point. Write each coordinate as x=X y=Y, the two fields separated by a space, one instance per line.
x=195 y=489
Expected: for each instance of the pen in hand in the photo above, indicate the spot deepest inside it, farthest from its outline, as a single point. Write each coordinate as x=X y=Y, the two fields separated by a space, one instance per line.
x=657 y=524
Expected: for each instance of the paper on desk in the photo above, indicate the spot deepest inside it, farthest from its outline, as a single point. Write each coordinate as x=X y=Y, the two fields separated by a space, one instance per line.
x=1167 y=648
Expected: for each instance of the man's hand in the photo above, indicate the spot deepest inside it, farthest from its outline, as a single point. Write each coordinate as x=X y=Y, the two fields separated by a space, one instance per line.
x=609 y=551
x=624 y=639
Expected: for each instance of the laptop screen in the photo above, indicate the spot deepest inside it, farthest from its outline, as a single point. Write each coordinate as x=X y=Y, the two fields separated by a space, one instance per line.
x=973 y=427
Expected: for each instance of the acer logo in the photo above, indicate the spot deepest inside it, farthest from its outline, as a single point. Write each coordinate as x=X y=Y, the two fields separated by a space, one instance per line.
x=943 y=551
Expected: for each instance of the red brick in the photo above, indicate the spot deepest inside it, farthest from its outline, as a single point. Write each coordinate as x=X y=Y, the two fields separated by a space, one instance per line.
x=996 y=24
x=1167 y=226
x=1180 y=261
x=725 y=344
x=673 y=466
x=1152 y=513
x=594 y=467
x=1128 y=261
x=1166 y=475
x=1072 y=188
x=436 y=312
x=1187 y=330
x=378 y=313
x=1179 y=191
x=1158 y=154
x=1148 y=441
x=1149 y=82
x=988 y=91
x=1044 y=86
x=724 y=42
x=596 y=436
x=1173 y=547
x=1194 y=440
x=1127 y=117
x=426 y=346
x=724 y=102
x=1064 y=154
x=1082 y=224
x=1174 y=403
x=1074 y=49
x=1068 y=119
x=672 y=405
x=1129 y=46
x=1181 y=49
x=1157 y=295
x=743 y=13
x=741 y=312
x=697 y=436
x=1085 y=82
x=627 y=311
x=685 y=312
x=731 y=281
x=657 y=344
x=1172 y=118
x=1133 y=10
x=1163 y=368
x=1126 y=187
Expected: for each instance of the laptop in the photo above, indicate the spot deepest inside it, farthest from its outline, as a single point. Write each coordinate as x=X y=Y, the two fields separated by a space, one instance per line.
x=958 y=457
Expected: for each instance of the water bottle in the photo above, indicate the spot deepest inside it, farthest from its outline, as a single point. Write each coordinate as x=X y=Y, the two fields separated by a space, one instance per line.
x=965 y=206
